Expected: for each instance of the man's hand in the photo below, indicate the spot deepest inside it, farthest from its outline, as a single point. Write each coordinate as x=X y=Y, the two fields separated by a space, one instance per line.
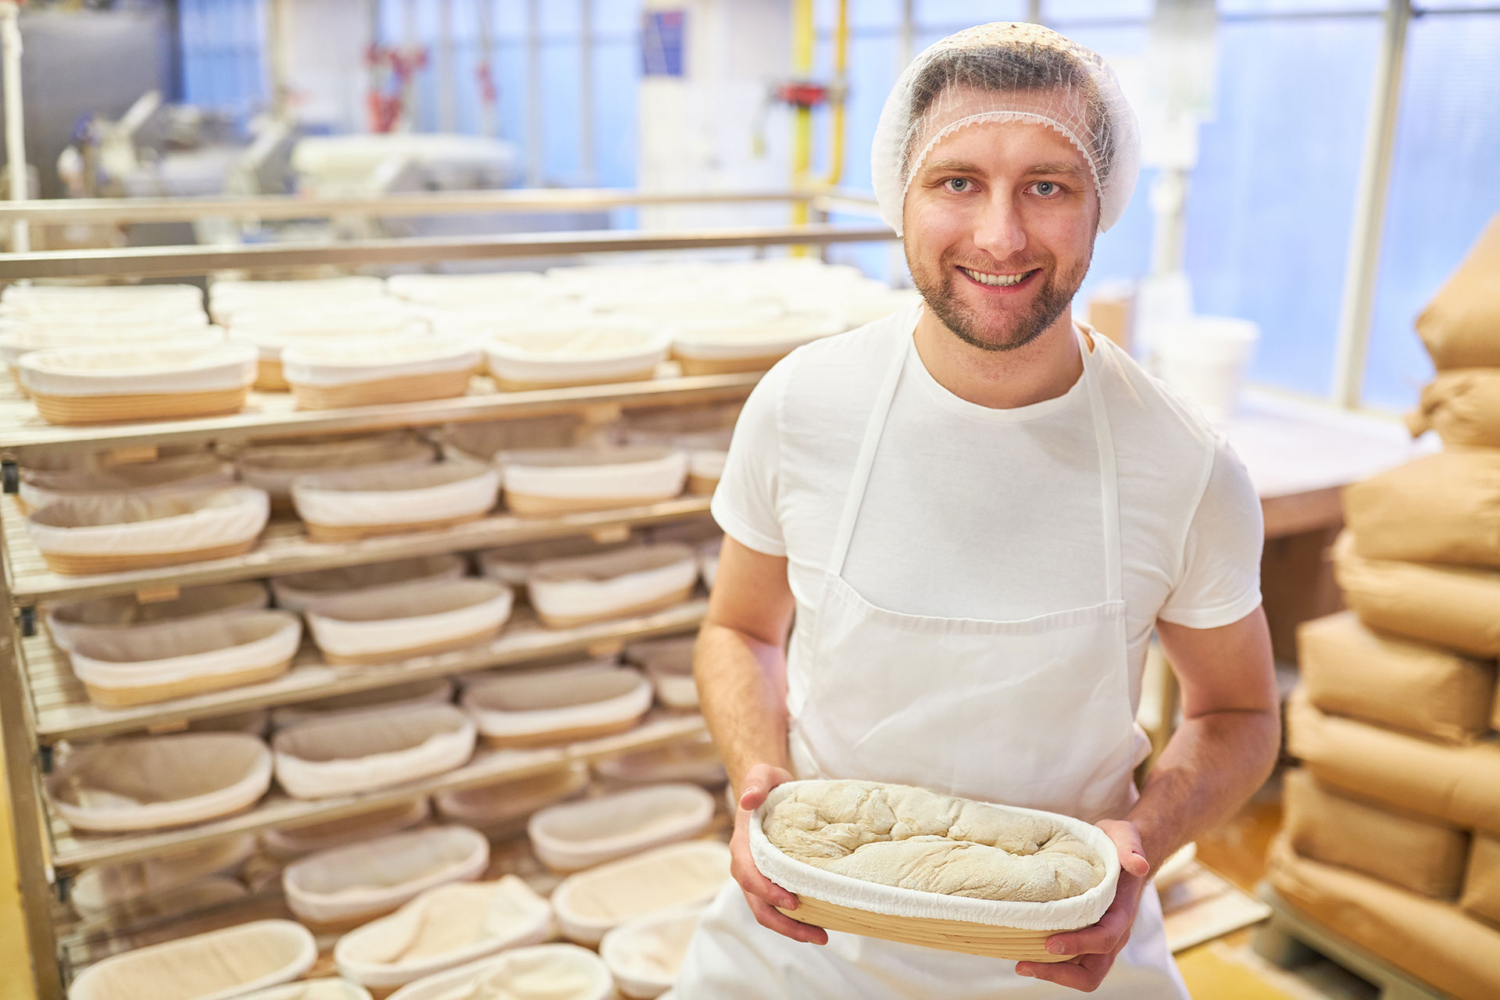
x=1094 y=948
x=761 y=893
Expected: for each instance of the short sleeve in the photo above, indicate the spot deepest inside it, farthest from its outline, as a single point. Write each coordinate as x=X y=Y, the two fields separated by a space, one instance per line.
x=744 y=502
x=1219 y=582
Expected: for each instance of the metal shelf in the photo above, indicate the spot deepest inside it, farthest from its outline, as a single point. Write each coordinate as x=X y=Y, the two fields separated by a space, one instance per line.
x=285 y=548
x=74 y=851
x=273 y=414
x=63 y=710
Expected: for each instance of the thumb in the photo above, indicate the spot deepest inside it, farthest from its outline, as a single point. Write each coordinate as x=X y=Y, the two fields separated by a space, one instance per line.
x=1128 y=842
x=759 y=781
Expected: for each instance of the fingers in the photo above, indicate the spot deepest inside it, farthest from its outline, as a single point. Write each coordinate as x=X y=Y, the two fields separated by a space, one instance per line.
x=1084 y=974
x=768 y=917
x=742 y=869
x=759 y=781
x=1128 y=842
x=1103 y=938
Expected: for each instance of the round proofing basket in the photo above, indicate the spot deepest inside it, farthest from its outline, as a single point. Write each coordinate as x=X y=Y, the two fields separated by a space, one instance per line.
x=285 y=844
x=577 y=835
x=312 y=989
x=406 y=620
x=592 y=902
x=346 y=506
x=588 y=353
x=152 y=782
x=360 y=751
x=97 y=890
x=1014 y=931
x=379 y=371
x=705 y=469
x=299 y=590
x=645 y=955
x=557 y=705
x=669 y=664
x=503 y=808
x=273 y=467
x=101 y=616
x=91 y=386
x=556 y=481
x=435 y=691
x=346 y=886
x=585 y=972
x=567 y=593
x=179 y=659
x=177 y=474
x=213 y=966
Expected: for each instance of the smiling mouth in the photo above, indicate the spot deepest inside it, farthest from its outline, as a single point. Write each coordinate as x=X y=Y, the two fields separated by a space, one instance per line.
x=996 y=280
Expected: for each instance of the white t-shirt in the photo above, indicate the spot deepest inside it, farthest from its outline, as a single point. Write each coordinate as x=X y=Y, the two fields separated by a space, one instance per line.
x=991 y=514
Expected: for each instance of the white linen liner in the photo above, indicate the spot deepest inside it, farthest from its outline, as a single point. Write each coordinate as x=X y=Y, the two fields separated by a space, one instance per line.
x=360 y=751
x=372 y=359
x=512 y=564
x=493 y=976
x=732 y=337
x=800 y=878
x=129 y=371
x=637 y=475
x=695 y=761
x=191 y=897
x=674 y=310
x=181 y=295
x=100 y=888
x=669 y=664
x=516 y=916
x=556 y=699
x=654 y=881
x=255 y=722
x=604 y=585
x=591 y=351
x=128 y=525
x=438 y=492
x=297 y=591
x=435 y=691
x=408 y=616
x=18 y=341
x=176 y=474
x=273 y=467
x=637 y=951
x=375 y=876
x=491 y=287
x=288 y=943
x=707 y=463
x=184 y=651
x=312 y=989
x=506 y=805
x=574 y=835
x=70 y=622
x=150 y=782
x=272 y=334
x=285 y=844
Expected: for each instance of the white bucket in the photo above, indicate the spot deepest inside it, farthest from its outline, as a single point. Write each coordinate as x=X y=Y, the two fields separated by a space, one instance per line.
x=1203 y=359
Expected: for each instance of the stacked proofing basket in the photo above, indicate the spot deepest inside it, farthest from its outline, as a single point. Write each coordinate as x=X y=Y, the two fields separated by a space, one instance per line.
x=1392 y=830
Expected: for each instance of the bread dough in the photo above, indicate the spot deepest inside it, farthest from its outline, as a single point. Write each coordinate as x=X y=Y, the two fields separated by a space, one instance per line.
x=913 y=838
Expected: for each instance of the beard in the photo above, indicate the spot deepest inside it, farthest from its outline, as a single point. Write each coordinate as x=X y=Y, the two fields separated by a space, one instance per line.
x=999 y=331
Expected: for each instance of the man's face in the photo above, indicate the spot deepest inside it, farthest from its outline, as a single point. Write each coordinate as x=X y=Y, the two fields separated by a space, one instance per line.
x=999 y=225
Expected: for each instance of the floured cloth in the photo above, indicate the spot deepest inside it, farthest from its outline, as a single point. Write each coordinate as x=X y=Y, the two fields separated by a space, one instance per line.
x=1349 y=669
x=1433 y=941
x=212 y=966
x=1442 y=508
x=917 y=839
x=1395 y=847
x=1463 y=406
x=1451 y=606
x=1461 y=325
x=1481 y=895
x=1454 y=784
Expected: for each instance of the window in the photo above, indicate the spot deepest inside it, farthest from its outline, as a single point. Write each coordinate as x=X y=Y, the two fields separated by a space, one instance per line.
x=222 y=42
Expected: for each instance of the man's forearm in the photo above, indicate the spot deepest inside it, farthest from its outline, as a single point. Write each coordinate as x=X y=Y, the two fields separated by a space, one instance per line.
x=1212 y=764
x=742 y=694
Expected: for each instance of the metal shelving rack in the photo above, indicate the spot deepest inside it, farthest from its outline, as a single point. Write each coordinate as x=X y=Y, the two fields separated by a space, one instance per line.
x=43 y=705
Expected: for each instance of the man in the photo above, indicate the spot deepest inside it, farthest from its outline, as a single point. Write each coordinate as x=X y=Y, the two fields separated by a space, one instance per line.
x=977 y=513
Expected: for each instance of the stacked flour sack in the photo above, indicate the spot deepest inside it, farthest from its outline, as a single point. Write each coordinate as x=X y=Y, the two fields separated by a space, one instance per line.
x=1392 y=833
x=337 y=342
x=100 y=354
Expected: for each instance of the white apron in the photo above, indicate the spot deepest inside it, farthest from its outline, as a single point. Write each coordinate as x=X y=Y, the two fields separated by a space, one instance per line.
x=1030 y=713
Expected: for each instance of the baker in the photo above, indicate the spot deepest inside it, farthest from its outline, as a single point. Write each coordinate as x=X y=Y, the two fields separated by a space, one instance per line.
x=975 y=512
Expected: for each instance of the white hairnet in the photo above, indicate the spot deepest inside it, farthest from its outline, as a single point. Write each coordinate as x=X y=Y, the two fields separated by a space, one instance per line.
x=1007 y=72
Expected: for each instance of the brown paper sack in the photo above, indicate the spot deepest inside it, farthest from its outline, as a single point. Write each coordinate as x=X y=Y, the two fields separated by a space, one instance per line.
x=1433 y=941
x=1481 y=896
x=1395 y=847
x=1442 y=508
x=1463 y=406
x=1452 y=606
x=1348 y=669
x=1457 y=785
x=1461 y=325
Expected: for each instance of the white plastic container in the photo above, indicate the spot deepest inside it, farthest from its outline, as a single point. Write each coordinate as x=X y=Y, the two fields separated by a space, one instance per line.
x=407 y=620
x=295 y=842
x=1204 y=359
x=363 y=503
x=107 y=384
x=345 y=886
x=299 y=590
x=544 y=972
x=669 y=664
x=361 y=751
x=103 y=616
x=644 y=955
x=213 y=966
x=444 y=928
x=152 y=782
x=502 y=808
x=556 y=705
x=115 y=533
x=636 y=580
x=576 y=835
x=595 y=901
x=179 y=659
x=273 y=467
x=555 y=481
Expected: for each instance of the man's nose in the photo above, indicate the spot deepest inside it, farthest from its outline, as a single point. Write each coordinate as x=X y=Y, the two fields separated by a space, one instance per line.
x=998 y=229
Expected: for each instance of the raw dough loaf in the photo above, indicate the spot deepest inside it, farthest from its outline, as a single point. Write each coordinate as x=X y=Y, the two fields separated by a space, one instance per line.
x=918 y=839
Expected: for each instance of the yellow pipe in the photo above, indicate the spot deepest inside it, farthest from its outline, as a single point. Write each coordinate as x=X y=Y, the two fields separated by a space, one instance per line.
x=802 y=64
x=840 y=68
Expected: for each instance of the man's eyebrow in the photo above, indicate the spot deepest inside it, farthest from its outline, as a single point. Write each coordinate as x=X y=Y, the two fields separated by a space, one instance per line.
x=1054 y=168
x=952 y=166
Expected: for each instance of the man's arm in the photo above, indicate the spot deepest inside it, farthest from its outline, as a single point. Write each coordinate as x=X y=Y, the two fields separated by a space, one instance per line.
x=1224 y=751
x=740 y=666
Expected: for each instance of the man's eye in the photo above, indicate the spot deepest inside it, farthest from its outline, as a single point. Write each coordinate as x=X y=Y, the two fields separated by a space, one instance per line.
x=958 y=185
x=1046 y=188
